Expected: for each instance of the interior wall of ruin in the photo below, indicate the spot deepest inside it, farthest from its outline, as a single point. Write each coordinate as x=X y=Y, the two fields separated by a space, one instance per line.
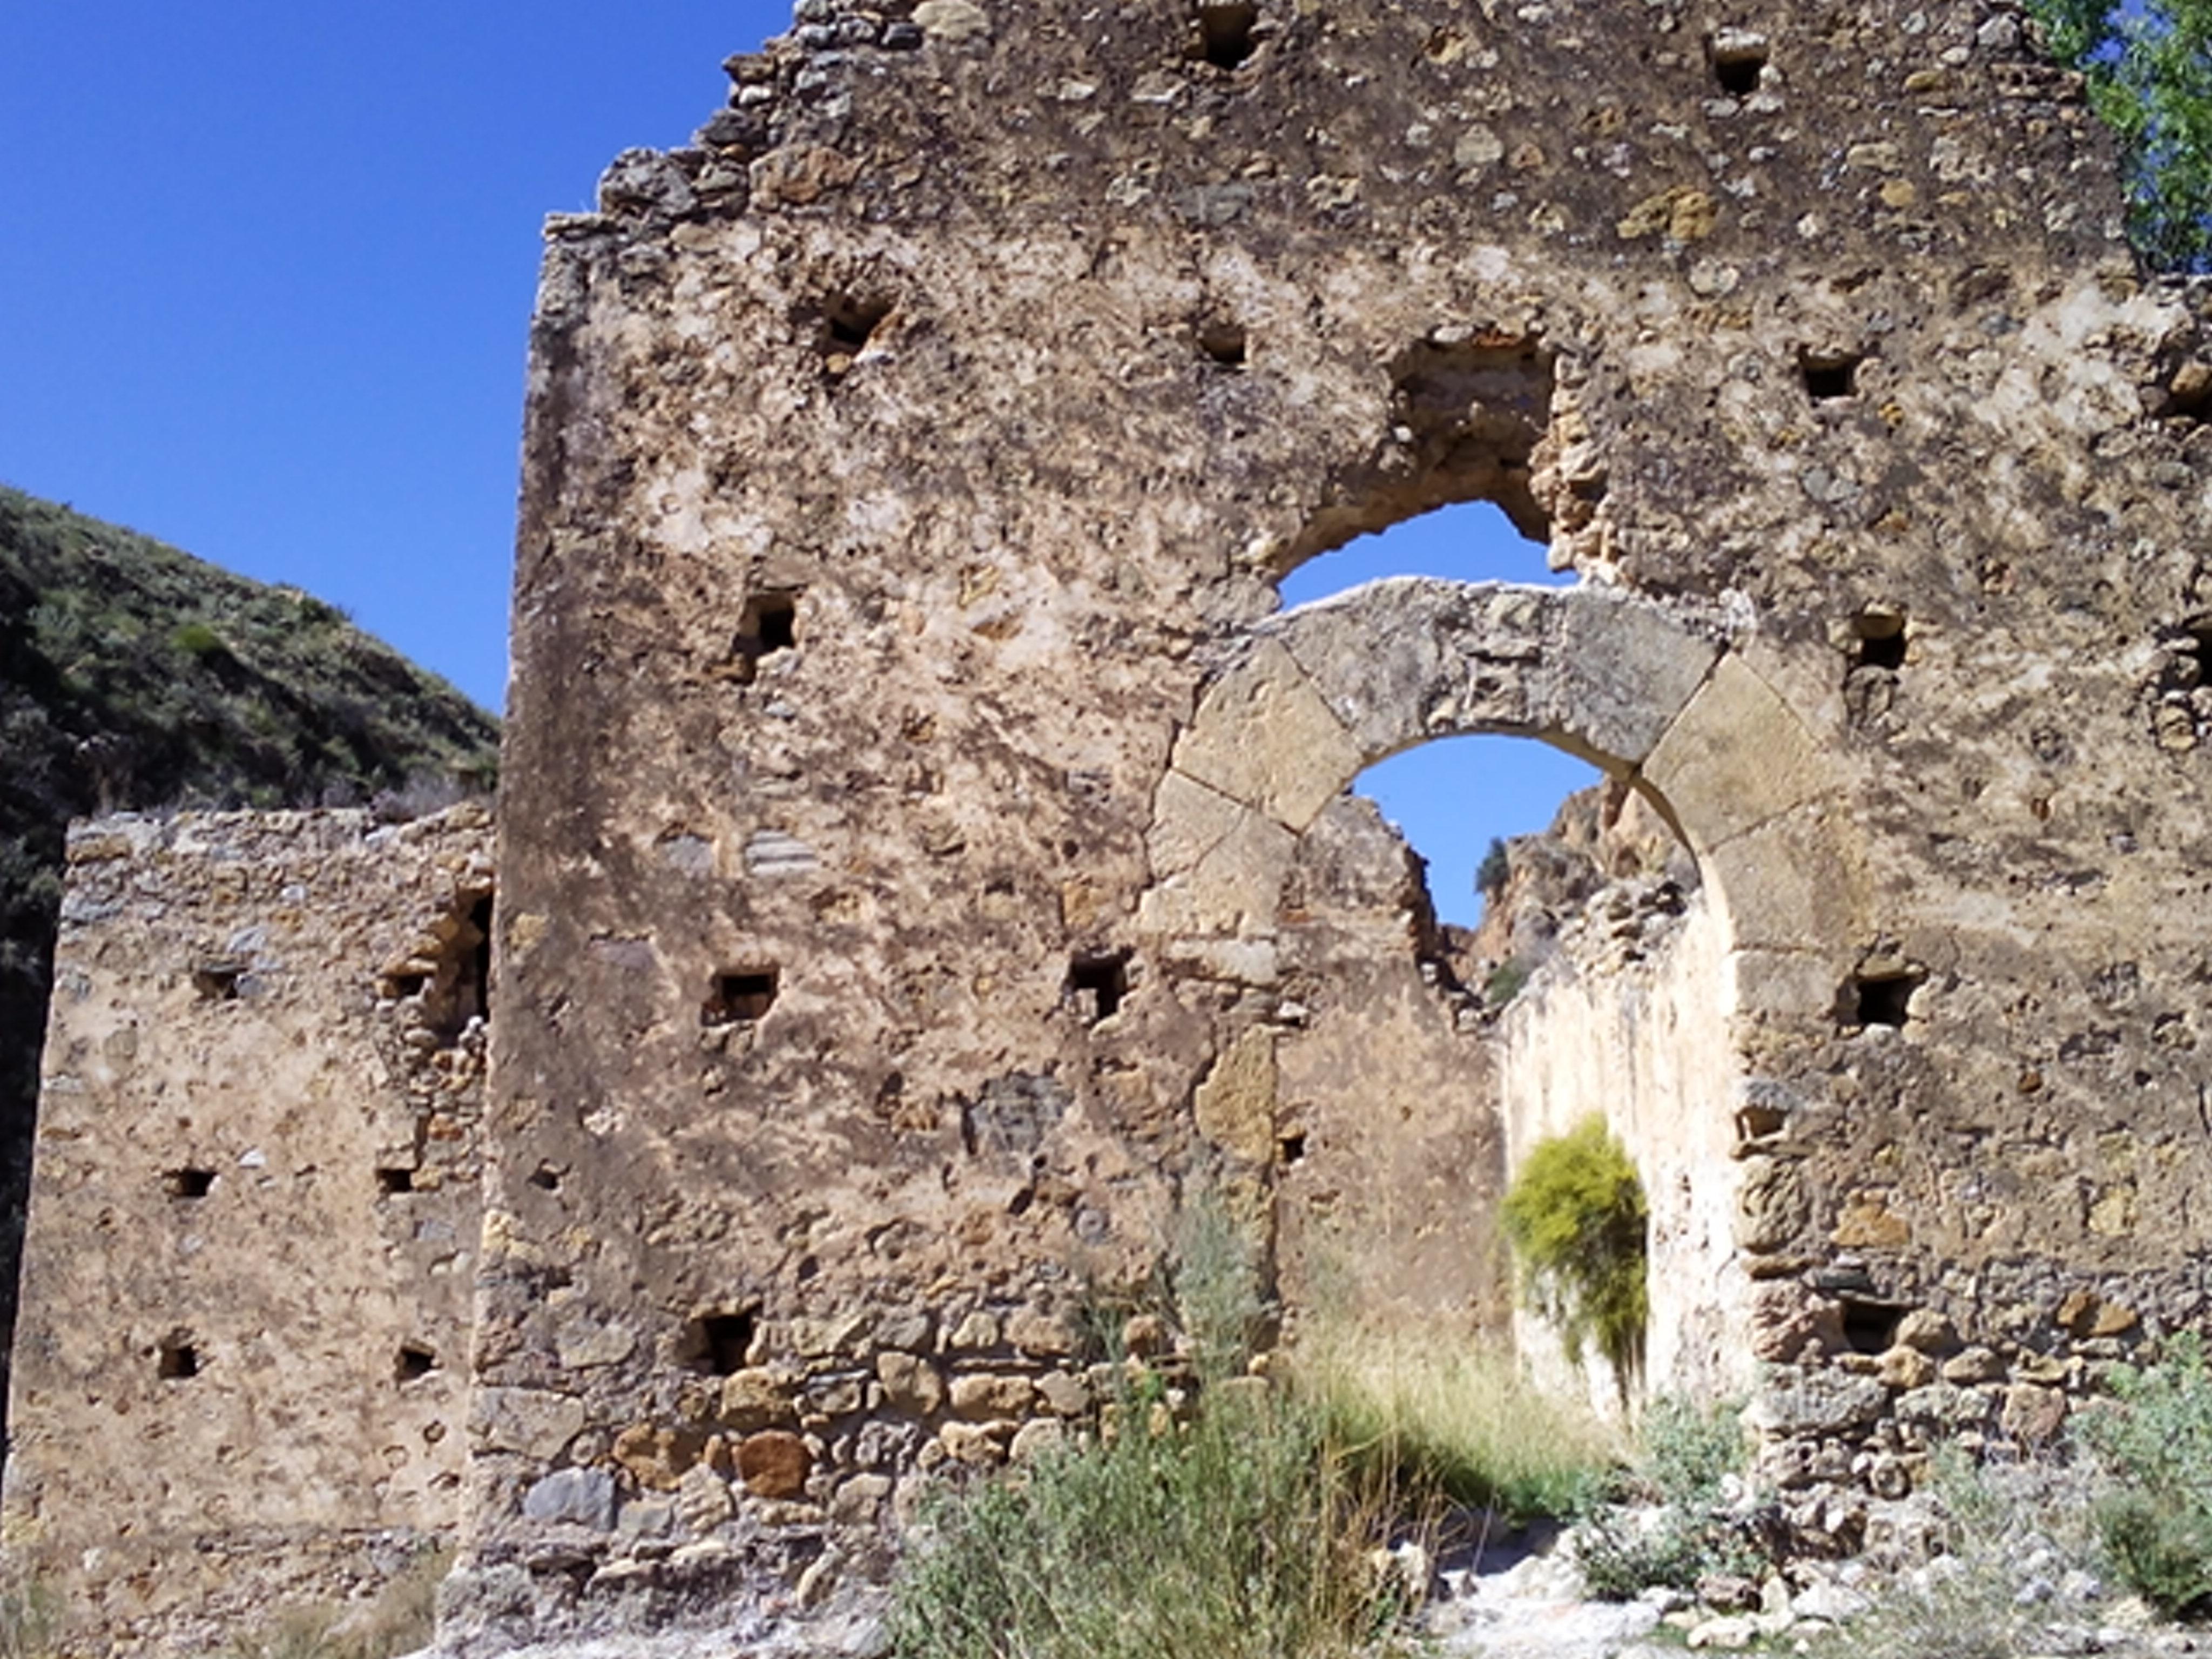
x=241 y=1373
x=1628 y=1023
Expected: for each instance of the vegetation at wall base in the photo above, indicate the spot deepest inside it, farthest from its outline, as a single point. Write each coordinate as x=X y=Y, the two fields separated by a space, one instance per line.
x=1437 y=1421
x=1575 y=1218
x=2149 y=67
x=1236 y=1535
x=1689 y=1463
x=2152 y=1439
x=133 y=675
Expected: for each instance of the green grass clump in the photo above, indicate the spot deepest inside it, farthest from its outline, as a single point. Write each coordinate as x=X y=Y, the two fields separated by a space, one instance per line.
x=2154 y=1439
x=1575 y=1216
x=1439 y=1418
x=1238 y=1536
x=1685 y=1453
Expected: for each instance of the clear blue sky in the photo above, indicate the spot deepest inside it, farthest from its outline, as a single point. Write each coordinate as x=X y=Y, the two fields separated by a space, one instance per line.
x=266 y=271
x=265 y=281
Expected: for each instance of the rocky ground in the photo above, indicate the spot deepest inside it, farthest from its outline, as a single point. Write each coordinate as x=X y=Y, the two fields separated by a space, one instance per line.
x=1525 y=1599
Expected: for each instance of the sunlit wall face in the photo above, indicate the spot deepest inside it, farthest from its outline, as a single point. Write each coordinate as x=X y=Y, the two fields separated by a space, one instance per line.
x=1452 y=798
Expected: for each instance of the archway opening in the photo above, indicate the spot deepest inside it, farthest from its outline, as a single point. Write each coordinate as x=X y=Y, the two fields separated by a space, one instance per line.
x=1572 y=967
x=1458 y=802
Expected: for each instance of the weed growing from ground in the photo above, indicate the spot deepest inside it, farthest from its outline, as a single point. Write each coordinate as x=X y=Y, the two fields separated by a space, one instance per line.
x=2154 y=1440
x=1968 y=1602
x=400 y=1619
x=1238 y=1536
x=1687 y=1454
x=1448 y=1420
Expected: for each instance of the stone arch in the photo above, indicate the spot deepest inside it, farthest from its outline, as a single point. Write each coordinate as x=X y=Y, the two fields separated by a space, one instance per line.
x=1661 y=697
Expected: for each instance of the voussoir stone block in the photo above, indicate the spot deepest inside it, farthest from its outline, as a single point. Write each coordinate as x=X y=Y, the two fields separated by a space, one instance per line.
x=1263 y=735
x=1411 y=658
x=1235 y=888
x=1793 y=883
x=1620 y=670
x=1737 y=756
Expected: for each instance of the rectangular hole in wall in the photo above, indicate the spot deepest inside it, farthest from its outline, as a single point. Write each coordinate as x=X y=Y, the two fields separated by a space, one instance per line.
x=1884 y=999
x=719 y=1343
x=188 y=1183
x=1830 y=375
x=394 y=1181
x=176 y=1358
x=414 y=1362
x=217 y=981
x=1871 y=1327
x=1098 y=983
x=769 y=623
x=740 y=995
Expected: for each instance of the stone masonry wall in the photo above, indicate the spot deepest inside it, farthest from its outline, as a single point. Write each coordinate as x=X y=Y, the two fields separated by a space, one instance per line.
x=905 y=768
x=242 y=1360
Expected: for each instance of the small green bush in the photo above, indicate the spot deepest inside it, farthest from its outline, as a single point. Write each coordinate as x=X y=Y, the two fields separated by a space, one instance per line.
x=1238 y=1536
x=198 y=639
x=1620 y=1556
x=1215 y=1289
x=1686 y=1453
x=2154 y=1437
x=1691 y=1449
x=1505 y=981
x=1494 y=872
x=1575 y=1218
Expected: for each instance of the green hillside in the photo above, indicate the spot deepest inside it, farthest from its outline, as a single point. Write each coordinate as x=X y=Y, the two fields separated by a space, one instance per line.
x=134 y=676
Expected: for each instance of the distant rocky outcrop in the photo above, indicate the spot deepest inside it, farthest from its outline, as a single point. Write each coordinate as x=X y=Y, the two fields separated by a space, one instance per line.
x=135 y=675
x=1608 y=859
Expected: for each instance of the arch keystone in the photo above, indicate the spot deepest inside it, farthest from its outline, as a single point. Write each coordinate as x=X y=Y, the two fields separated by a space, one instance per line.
x=1410 y=657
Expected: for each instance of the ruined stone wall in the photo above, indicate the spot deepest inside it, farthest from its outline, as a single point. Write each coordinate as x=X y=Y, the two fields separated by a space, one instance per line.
x=1387 y=1138
x=904 y=774
x=242 y=1360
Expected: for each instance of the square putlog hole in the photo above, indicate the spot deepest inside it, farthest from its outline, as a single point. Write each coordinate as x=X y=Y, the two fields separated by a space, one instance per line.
x=1739 y=59
x=392 y=1182
x=176 y=1358
x=1098 y=984
x=1226 y=33
x=1871 y=1327
x=217 y=981
x=769 y=623
x=849 y=322
x=741 y=996
x=414 y=1362
x=188 y=1182
x=718 y=1344
x=1829 y=376
x=1883 y=998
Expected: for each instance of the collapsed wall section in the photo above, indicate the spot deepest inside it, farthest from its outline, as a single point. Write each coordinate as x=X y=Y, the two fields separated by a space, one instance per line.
x=242 y=1359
